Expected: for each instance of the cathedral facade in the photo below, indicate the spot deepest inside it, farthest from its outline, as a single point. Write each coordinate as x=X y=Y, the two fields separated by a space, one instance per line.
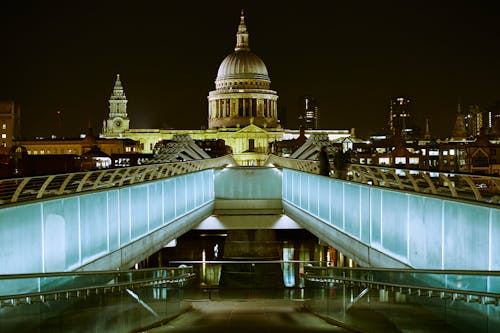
x=242 y=110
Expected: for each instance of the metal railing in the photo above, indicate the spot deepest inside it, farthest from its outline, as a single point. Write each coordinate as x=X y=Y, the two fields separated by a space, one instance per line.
x=468 y=286
x=75 y=285
x=456 y=185
x=15 y=190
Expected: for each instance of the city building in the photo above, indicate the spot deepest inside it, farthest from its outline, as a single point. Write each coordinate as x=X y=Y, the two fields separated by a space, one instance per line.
x=310 y=113
x=399 y=116
x=473 y=120
x=79 y=146
x=10 y=123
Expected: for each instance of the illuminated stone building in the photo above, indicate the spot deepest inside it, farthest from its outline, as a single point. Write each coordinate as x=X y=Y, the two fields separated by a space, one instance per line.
x=242 y=94
x=118 y=121
x=242 y=110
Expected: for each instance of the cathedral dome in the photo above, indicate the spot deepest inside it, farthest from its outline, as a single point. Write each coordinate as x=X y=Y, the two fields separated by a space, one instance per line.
x=242 y=94
x=244 y=65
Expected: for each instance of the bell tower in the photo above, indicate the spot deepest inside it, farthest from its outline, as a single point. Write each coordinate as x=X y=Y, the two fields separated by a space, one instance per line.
x=118 y=121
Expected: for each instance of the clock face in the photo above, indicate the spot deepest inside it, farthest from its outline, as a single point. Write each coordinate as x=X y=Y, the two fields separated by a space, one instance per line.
x=118 y=123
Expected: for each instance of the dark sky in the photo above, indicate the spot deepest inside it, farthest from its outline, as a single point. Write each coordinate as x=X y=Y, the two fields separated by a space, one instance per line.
x=353 y=56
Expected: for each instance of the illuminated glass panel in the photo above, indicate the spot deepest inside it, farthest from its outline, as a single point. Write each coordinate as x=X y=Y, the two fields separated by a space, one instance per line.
x=169 y=200
x=93 y=225
x=324 y=198
x=199 y=189
x=365 y=213
x=20 y=245
x=180 y=196
x=20 y=229
x=61 y=234
x=425 y=232
x=304 y=190
x=248 y=183
x=376 y=217
x=394 y=224
x=287 y=185
x=155 y=205
x=495 y=241
x=113 y=220
x=139 y=211
x=465 y=236
x=351 y=210
x=210 y=181
x=313 y=191
x=296 y=188
x=124 y=215
x=337 y=204
x=191 y=190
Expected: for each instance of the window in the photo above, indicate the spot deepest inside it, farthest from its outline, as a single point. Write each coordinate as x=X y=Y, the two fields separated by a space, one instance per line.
x=4 y=126
x=400 y=160
x=251 y=144
x=4 y=136
x=383 y=160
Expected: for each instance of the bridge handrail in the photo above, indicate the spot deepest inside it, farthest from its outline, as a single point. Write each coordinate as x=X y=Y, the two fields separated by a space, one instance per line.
x=15 y=190
x=430 y=283
x=100 y=282
x=450 y=184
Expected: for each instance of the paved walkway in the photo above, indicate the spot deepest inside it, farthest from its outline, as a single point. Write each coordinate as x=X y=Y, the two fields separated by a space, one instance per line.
x=256 y=316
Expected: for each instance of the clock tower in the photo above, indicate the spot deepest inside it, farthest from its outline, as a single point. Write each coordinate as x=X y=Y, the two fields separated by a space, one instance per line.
x=117 y=121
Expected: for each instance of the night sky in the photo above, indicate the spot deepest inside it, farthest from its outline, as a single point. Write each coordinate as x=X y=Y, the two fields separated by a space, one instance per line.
x=353 y=56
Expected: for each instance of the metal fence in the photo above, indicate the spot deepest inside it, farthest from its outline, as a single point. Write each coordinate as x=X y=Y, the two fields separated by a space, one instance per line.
x=456 y=185
x=15 y=190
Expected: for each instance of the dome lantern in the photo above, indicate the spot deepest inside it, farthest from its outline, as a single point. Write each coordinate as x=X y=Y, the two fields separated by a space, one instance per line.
x=242 y=35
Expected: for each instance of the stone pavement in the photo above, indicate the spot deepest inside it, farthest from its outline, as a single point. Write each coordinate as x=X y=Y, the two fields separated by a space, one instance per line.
x=248 y=316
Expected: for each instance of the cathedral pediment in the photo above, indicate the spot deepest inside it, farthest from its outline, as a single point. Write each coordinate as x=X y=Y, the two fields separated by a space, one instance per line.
x=251 y=129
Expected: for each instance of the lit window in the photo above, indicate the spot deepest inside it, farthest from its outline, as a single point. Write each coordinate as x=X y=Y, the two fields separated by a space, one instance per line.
x=414 y=160
x=4 y=126
x=4 y=136
x=452 y=151
x=383 y=160
x=400 y=160
x=445 y=152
